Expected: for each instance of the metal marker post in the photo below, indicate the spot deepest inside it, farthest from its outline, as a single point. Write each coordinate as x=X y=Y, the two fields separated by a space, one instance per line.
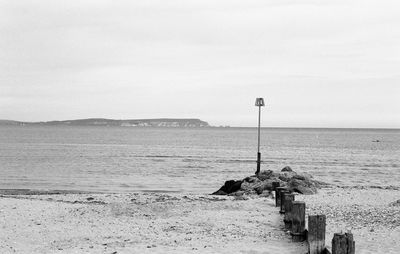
x=259 y=104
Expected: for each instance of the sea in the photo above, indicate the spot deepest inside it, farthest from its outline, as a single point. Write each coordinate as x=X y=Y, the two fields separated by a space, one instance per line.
x=189 y=160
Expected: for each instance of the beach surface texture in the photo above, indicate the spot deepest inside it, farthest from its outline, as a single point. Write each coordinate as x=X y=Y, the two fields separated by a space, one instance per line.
x=178 y=223
x=141 y=223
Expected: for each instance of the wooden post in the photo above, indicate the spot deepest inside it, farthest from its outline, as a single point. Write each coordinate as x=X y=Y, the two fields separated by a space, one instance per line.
x=316 y=234
x=283 y=194
x=343 y=243
x=289 y=198
x=326 y=251
x=298 y=221
x=275 y=185
x=278 y=196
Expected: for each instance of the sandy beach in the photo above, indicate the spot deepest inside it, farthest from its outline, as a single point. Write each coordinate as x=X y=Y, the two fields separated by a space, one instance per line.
x=142 y=223
x=178 y=223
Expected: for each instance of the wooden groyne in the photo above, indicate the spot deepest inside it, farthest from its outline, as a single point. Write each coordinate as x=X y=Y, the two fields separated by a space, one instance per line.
x=286 y=184
x=295 y=218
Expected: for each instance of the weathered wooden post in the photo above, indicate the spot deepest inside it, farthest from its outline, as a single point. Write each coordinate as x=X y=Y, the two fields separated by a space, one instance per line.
x=316 y=234
x=278 y=196
x=275 y=185
x=289 y=198
x=283 y=194
x=298 y=221
x=343 y=243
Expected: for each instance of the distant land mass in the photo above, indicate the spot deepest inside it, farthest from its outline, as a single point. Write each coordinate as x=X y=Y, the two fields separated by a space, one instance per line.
x=160 y=122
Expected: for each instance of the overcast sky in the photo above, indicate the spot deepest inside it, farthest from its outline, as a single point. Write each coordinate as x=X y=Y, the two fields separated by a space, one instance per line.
x=322 y=63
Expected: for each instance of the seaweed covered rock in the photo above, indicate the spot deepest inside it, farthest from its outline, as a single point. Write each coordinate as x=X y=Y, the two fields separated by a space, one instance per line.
x=395 y=203
x=250 y=184
x=267 y=175
x=286 y=169
x=286 y=176
x=265 y=186
x=305 y=186
x=263 y=183
x=229 y=187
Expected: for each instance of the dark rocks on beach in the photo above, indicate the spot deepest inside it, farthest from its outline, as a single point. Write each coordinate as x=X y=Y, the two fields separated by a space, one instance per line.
x=258 y=186
x=287 y=169
x=229 y=187
x=262 y=183
x=395 y=203
x=267 y=174
x=305 y=186
x=286 y=176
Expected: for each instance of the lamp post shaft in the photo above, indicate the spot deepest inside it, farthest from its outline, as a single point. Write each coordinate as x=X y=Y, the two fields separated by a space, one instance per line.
x=259 y=124
x=259 y=103
x=258 y=144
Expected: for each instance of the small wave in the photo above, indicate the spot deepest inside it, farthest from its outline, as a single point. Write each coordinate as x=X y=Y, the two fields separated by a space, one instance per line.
x=161 y=191
x=190 y=160
x=158 y=156
x=382 y=187
x=374 y=165
x=236 y=161
x=158 y=160
x=166 y=156
x=40 y=192
x=198 y=167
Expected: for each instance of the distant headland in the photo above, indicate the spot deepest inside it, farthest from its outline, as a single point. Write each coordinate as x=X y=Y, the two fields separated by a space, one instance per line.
x=159 y=122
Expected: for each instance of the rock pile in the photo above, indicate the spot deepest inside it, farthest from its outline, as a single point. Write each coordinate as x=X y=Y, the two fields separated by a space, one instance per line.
x=259 y=184
x=395 y=203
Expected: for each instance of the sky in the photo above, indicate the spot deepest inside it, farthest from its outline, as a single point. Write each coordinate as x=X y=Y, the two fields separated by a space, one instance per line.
x=321 y=63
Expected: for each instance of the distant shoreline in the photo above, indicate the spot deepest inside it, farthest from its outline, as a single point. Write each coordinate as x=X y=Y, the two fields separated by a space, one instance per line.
x=167 y=123
x=208 y=127
x=157 y=122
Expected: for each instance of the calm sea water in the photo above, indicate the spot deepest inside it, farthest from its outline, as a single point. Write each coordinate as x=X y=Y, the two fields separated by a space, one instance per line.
x=118 y=159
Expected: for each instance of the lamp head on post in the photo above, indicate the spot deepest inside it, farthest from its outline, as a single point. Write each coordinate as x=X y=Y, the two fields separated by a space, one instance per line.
x=260 y=102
